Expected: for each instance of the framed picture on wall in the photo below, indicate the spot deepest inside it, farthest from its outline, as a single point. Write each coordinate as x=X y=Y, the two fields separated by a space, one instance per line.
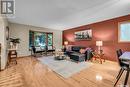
x=7 y=33
x=83 y=35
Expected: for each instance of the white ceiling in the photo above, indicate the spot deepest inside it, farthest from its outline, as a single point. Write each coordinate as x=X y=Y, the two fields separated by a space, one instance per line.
x=65 y=14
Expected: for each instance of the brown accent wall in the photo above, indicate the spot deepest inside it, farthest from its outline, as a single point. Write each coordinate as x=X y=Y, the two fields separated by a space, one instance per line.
x=107 y=31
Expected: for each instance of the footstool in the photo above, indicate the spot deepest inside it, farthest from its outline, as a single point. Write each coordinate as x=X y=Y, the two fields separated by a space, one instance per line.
x=78 y=57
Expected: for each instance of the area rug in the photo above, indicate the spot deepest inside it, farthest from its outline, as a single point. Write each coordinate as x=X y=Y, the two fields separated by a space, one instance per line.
x=65 y=68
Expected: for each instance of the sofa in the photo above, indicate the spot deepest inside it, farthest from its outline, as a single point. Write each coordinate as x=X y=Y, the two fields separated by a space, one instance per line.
x=36 y=49
x=49 y=49
x=75 y=54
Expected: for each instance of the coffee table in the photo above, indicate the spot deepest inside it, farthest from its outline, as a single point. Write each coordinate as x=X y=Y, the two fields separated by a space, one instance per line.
x=59 y=55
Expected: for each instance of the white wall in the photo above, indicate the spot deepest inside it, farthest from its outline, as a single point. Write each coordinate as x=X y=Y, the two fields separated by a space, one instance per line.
x=3 y=24
x=3 y=41
x=22 y=31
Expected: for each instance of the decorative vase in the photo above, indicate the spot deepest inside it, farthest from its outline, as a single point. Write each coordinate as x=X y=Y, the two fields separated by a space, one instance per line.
x=16 y=46
x=11 y=45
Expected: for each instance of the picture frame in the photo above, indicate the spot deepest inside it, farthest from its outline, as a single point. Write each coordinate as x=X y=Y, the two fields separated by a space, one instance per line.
x=83 y=35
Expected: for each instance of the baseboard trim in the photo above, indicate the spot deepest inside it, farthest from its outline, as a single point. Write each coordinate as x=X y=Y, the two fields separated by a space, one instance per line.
x=24 y=56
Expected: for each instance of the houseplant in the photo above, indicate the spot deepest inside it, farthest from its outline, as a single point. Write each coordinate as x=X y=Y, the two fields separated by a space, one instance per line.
x=14 y=43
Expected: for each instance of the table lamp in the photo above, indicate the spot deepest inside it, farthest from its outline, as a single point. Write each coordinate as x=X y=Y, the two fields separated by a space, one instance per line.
x=66 y=43
x=99 y=44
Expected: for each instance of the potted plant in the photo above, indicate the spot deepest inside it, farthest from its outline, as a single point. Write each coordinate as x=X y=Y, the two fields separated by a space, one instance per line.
x=14 y=43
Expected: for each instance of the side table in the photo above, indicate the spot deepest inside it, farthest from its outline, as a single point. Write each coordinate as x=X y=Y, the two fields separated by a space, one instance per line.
x=98 y=56
x=12 y=55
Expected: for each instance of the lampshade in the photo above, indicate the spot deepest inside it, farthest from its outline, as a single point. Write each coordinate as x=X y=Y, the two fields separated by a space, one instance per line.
x=99 y=43
x=66 y=43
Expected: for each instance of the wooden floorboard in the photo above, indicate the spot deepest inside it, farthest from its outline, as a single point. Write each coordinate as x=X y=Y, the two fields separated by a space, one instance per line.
x=29 y=72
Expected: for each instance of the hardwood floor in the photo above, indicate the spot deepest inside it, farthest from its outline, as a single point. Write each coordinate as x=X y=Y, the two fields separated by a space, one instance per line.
x=29 y=72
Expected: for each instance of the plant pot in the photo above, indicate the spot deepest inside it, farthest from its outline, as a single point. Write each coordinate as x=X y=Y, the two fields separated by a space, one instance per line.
x=15 y=46
x=11 y=45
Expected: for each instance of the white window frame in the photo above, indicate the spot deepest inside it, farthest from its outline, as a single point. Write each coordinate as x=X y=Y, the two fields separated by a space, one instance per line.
x=119 y=32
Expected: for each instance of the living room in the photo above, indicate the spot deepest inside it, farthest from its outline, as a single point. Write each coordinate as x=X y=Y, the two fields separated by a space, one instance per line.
x=78 y=43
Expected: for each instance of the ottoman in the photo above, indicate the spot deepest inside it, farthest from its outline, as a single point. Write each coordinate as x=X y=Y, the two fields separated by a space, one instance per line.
x=78 y=57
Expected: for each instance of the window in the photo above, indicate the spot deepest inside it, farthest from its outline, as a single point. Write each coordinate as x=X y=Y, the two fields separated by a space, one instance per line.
x=40 y=39
x=124 y=32
x=50 y=39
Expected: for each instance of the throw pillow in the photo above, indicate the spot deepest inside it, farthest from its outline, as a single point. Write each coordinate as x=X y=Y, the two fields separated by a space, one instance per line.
x=38 y=48
x=68 y=48
x=82 y=51
x=49 y=47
